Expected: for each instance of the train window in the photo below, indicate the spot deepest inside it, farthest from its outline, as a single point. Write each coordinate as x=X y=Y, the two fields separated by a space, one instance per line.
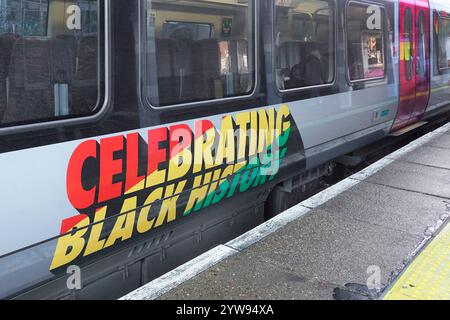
x=304 y=43
x=48 y=59
x=406 y=44
x=365 y=41
x=198 y=51
x=436 y=41
x=422 y=47
x=443 y=34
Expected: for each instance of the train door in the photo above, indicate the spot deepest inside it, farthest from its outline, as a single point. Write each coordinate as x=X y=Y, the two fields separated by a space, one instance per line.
x=422 y=55
x=414 y=61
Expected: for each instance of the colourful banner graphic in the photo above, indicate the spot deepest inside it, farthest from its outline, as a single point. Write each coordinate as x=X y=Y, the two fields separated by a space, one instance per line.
x=126 y=185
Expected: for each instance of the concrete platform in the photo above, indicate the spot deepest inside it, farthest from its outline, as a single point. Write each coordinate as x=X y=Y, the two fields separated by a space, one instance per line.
x=365 y=230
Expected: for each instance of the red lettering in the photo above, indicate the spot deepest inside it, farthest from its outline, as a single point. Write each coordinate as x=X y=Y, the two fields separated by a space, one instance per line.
x=132 y=176
x=109 y=167
x=78 y=196
x=156 y=155
x=180 y=138
x=201 y=126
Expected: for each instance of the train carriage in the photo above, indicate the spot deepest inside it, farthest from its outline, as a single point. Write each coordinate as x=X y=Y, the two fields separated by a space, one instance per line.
x=137 y=134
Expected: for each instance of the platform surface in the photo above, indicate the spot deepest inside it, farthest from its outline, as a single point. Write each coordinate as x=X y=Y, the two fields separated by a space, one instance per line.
x=382 y=233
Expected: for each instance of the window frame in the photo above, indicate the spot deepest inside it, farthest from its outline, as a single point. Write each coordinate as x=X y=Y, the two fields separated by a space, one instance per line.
x=143 y=69
x=103 y=96
x=282 y=92
x=383 y=32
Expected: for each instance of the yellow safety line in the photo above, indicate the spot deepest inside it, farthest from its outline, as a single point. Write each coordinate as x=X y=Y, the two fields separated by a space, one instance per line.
x=428 y=276
x=440 y=88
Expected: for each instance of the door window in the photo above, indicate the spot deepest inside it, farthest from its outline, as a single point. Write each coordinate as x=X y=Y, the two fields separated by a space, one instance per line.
x=407 y=51
x=365 y=41
x=304 y=43
x=422 y=47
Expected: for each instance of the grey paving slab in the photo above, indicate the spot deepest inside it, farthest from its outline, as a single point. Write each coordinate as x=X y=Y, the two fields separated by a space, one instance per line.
x=441 y=141
x=325 y=249
x=336 y=249
x=389 y=207
x=235 y=279
x=429 y=156
x=414 y=177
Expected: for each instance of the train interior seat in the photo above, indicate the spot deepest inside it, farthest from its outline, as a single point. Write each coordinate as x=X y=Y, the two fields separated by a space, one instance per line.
x=30 y=76
x=50 y=77
x=174 y=70
x=84 y=89
x=206 y=70
x=190 y=69
x=313 y=67
x=289 y=54
x=187 y=70
x=183 y=69
x=62 y=61
x=356 y=69
x=327 y=63
x=302 y=63
x=7 y=42
x=165 y=71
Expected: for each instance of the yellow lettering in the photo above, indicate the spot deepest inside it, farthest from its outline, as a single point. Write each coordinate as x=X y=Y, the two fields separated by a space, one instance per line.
x=123 y=228
x=226 y=147
x=95 y=244
x=203 y=151
x=70 y=245
x=144 y=224
x=242 y=120
x=266 y=129
x=169 y=205
x=180 y=164
x=282 y=124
